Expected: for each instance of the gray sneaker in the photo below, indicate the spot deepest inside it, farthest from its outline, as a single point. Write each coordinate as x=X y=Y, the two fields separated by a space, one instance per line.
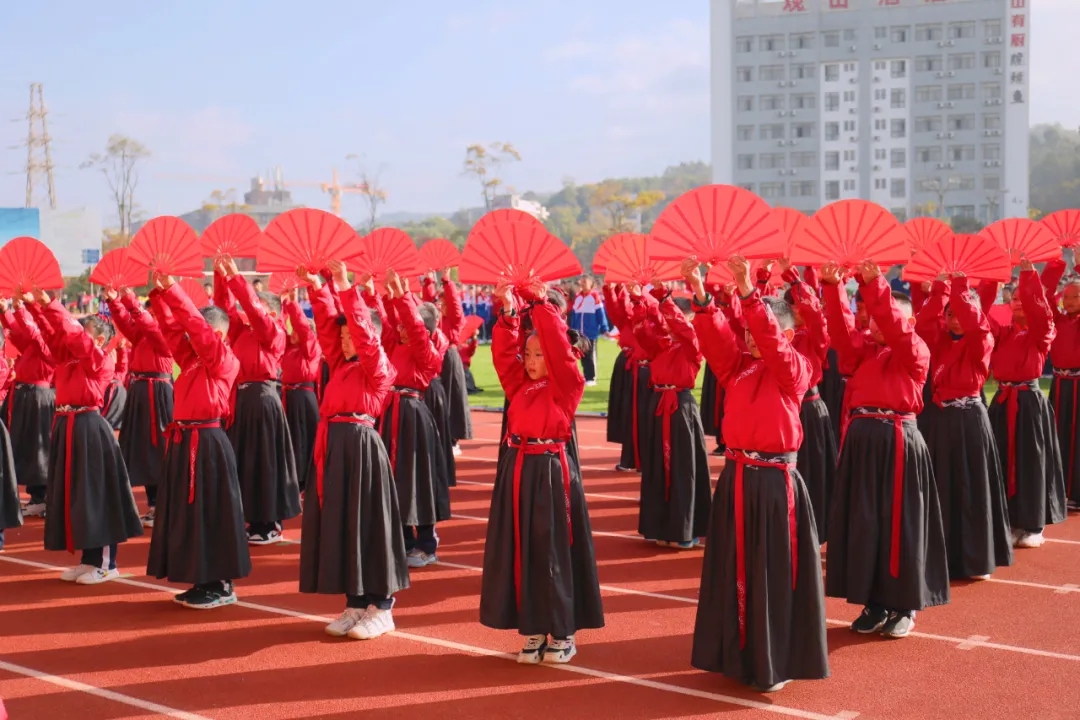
x=899 y=625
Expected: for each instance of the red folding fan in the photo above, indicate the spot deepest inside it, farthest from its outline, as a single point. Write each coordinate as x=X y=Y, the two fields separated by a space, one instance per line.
x=117 y=269
x=168 y=245
x=720 y=274
x=629 y=260
x=976 y=256
x=1065 y=225
x=923 y=231
x=195 y=290
x=715 y=222
x=498 y=217
x=308 y=237
x=283 y=282
x=439 y=254
x=601 y=258
x=472 y=324
x=516 y=252
x=234 y=235
x=385 y=249
x=26 y=264
x=790 y=221
x=1023 y=238
x=849 y=232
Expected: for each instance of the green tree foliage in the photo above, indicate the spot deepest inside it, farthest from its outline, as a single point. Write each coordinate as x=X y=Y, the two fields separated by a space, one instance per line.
x=1055 y=169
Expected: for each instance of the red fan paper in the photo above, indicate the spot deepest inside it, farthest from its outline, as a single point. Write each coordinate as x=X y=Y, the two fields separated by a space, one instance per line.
x=923 y=232
x=976 y=256
x=234 y=235
x=629 y=260
x=10 y=351
x=389 y=248
x=498 y=217
x=307 y=237
x=283 y=282
x=117 y=269
x=195 y=290
x=1023 y=238
x=1065 y=225
x=168 y=245
x=720 y=274
x=849 y=232
x=601 y=258
x=472 y=324
x=715 y=222
x=790 y=222
x=439 y=254
x=26 y=265
x=514 y=251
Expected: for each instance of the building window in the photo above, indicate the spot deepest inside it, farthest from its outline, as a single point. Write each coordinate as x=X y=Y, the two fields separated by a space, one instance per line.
x=961 y=122
x=849 y=96
x=830 y=39
x=991 y=91
x=965 y=211
x=745 y=103
x=849 y=35
x=832 y=131
x=803 y=159
x=849 y=156
x=832 y=190
x=849 y=126
x=881 y=184
x=967 y=182
x=771 y=72
x=899 y=34
x=803 y=188
x=898 y=128
x=771 y=42
x=744 y=44
x=880 y=65
x=991 y=28
x=898 y=158
x=963 y=61
x=802 y=41
x=772 y=190
x=879 y=153
x=772 y=132
x=898 y=99
x=929 y=154
x=744 y=74
x=928 y=93
x=962 y=92
x=803 y=102
x=991 y=59
x=802 y=130
x=961 y=153
x=832 y=102
x=991 y=182
x=849 y=67
x=880 y=124
x=991 y=152
x=771 y=102
x=773 y=161
x=881 y=94
x=925 y=33
x=991 y=122
x=849 y=186
x=747 y=186
x=899 y=68
x=961 y=30
x=928 y=124
x=832 y=161
x=746 y=162
x=804 y=71
x=928 y=63
x=745 y=132
x=898 y=188
x=881 y=32
x=832 y=72
x=926 y=185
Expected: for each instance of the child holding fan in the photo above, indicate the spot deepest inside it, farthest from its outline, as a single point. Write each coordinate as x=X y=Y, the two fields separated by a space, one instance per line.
x=540 y=573
x=300 y=368
x=628 y=407
x=199 y=536
x=352 y=543
x=1065 y=357
x=10 y=511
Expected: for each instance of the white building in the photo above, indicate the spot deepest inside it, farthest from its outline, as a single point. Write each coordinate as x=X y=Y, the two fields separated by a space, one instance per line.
x=918 y=105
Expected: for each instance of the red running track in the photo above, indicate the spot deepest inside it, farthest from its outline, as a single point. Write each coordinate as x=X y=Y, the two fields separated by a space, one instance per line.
x=1005 y=648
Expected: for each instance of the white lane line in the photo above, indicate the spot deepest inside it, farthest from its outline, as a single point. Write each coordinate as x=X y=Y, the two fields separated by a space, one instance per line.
x=77 y=686
x=973 y=642
x=448 y=644
x=1065 y=589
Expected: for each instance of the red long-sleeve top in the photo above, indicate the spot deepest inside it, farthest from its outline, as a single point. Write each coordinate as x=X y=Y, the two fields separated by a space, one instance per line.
x=889 y=376
x=5 y=381
x=453 y=316
x=959 y=365
x=668 y=340
x=1020 y=352
x=301 y=361
x=762 y=396
x=122 y=363
x=358 y=385
x=35 y=363
x=258 y=343
x=467 y=350
x=619 y=313
x=149 y=351
x=539 y=409
x=812 y=339
x=83 y=368
x=418 y=361
x=1065 y=350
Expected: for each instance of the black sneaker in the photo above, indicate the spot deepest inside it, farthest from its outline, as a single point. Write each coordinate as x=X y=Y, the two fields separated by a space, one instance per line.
x=900 y=625
x=182 y=597
x=207 y=598
x=870 y=621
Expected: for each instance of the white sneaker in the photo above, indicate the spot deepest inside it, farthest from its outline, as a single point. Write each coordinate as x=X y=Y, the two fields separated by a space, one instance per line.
x=560 y=651
x=34 y=510
x=457 y=450
x=1031 y=540
x=590 y=383
x=73 y=574
x=345 y=623
x=269 y=538
x=374 y=623
x=1016 y=535
x=97 y=576
x=980 y=578
x=533 y=651
x=418 y=558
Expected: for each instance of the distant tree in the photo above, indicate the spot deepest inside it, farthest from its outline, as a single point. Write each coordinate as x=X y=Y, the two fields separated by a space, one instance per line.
x=77 y=285
x=484 y=163
x=435 y=227
x=966 y=225
x=620 y=207
x=120 y=166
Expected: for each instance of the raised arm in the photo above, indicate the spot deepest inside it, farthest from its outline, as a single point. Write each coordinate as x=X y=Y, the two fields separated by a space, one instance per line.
x=369 y=350
x=1037 y=311
x=809 y=307
x=122 y=318
x=454 y=317
x=791 y=370
x=74 y=338
x=171 y=332
x=420 y=342
x=16 y=332
x=648 y=326
x=506 y=352
x=682 y=330
x=325 y=311
x=223 y=299
x=718 y=341
x=929 y=321
x=844 y=336
x=970 y=315
x=269 y=331
x=204 y=342
x=1051 y=277
x=898 y=332
x=301 y=328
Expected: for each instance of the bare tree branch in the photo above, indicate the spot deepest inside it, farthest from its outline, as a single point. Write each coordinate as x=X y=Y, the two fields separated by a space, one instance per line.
x=119 y=164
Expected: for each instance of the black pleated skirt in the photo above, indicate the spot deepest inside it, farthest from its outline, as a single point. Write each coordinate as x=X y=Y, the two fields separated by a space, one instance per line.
x=142 y=435
x=712 y=407
x=201 y=539
x=10 y=508
x=930 y=408
x=28 y=413
x=435 y=399
x=92 y=495
x=1065 y=399
x=832 y=391
x=785 y=625
x=457 y=396
x=1039 y=499
x=115 y=401
x=351 y=541
x=618 y=403
x=265 y=464
x=675 y=511
x=860 y=522
x=630 y=457
x=817 y=459
x=302 y=416
x=560 y=586
x=970 y=488
x=419 y=466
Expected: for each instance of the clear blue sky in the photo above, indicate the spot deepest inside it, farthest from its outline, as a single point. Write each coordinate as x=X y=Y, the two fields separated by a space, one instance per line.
x=586 y=89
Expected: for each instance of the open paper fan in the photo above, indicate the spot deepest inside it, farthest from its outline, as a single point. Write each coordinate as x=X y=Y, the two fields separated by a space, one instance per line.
x=720 y=274
x=1065 y=225
x=472 y=324
x=601 y=258
x=629 y=260
x=27 y=264
x=385 y=249
x=516 y=252
x=715 y=222
x=976 y=256
x=439 y=254
x=234 y=235
x=168 y=245
x=849 y=232
x=790 y=221
x=117 y=269
x=923 y=232
x=1023 y=238
x=283 y=282
x=505 y=215
x=308 y=237
x=195 y=290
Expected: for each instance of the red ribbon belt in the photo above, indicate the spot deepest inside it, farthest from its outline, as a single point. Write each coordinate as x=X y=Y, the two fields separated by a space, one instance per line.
x=812 y=395
x=1073 y=375
x=897 y=420
x=634 y=414
x=1009 y=393
x=11 y=397
x=286 y=387
x=666 y=408
x=175 y=434
x=321 y=435
x=395 y=405
x=525 y=447
x=150 y=379
x=68 y=412
x=742 y=459
x=845 y=411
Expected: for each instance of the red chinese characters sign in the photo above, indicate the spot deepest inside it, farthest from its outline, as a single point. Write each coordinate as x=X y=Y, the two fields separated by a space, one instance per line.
x=794 y=5
x=838 y=4
x=888 y=3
